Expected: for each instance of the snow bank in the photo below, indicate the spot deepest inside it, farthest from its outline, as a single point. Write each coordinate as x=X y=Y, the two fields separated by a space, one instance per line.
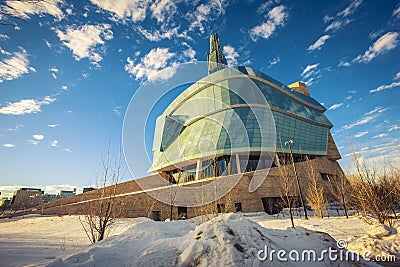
x=380 y=231
x=379 y=241
x=148 y=243
x=228 y=240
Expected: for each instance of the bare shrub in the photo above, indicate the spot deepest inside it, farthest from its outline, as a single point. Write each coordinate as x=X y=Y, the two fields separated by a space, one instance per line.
x=374 y=190
x=315 y=192
x=103 y=210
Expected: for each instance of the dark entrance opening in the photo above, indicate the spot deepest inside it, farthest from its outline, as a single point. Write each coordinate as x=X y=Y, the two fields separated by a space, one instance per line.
x=238 y=206
x=220 y=208
x=156 y=214
x=182 y=212
x=272 y=205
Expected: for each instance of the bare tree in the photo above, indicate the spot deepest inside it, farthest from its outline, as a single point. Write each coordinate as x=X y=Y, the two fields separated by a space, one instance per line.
x=287 y=183
x=315 y=191
x=103 y=211
x=150 y=203
x=303 y=204
x=340 y=190
x=173 y=188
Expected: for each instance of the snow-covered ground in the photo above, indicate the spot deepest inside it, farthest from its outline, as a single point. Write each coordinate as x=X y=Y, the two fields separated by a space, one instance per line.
x=36 y=240
x=228 y=240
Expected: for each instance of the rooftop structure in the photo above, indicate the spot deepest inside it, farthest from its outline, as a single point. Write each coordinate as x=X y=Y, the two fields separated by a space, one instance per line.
x=216 y=59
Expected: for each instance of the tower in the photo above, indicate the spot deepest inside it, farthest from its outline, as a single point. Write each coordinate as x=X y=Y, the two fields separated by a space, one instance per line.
x=215 y=59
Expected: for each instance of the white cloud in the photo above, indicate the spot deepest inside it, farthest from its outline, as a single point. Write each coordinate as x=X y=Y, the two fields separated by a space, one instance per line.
x=376 y=110
x=350 y=9
x=8 y=145
x=152 y=63
x=24 y=9
x=83 y=40
x=349 y=97
x=33 y=142
x=53 y=69
x=57 y=188
x=190 y=53
x=380 y=135
x=396 y=12
x=308 y=70
x=275 y=18
x=310 y=81
x=274 y=61
x=157 y=35
x=134 y=10
x=64 y=87
x=397 y=76
x=54 y=143
x=337 y=24
x=264 y=7
x=116 y=110
x=335 y=106
x=359 y=134
x=67 y=150
x=393 y=128
x=319 y=43
x=4 y=52
x=38 y=137
x=14 y=67
x=16 y=128
x=384 y=44
x=205 y=13
x=327 y=18
x=47 y=43
x=344 y=63
x=341 y=19
x=52 y=125
x=231 y=55
x=26 y=106
x=384 y=87
x=163 y=10
x=361 y=121
x=374 y=35
x=368 y=117
x=4 y=37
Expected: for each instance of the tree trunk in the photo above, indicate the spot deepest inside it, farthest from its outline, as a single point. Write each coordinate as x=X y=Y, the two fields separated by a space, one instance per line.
x=291 y=215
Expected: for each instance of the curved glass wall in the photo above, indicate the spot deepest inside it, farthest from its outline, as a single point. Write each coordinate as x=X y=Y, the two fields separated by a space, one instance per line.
x=228 y=116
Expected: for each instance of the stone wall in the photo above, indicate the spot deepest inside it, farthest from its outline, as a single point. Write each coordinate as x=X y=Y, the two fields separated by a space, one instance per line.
x=132 y=201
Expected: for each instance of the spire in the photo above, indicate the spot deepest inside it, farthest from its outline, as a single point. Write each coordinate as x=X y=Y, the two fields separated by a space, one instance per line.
x=215 y=59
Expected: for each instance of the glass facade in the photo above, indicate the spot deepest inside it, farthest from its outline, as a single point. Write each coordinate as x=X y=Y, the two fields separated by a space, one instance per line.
x=234 y=111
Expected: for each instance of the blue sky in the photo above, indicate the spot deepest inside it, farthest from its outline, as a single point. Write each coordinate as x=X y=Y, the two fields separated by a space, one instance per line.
x=68 y=70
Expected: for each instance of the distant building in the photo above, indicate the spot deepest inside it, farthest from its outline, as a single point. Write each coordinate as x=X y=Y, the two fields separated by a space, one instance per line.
x=87 y=189
x=46 y=198
x=5 y=201
x=26 y=197
x=67 y=193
